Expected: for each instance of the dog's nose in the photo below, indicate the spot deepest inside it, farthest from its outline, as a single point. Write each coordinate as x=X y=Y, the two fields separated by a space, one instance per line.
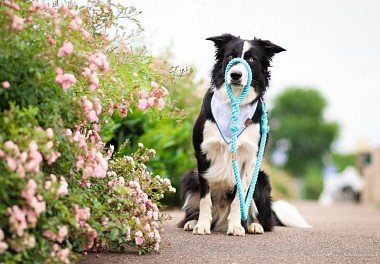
x=236 y=75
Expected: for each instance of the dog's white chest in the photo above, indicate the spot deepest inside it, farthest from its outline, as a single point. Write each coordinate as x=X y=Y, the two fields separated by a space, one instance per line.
x=218 y=153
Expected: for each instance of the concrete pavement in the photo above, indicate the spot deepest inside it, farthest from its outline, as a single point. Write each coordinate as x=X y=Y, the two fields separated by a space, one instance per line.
x=343 y=233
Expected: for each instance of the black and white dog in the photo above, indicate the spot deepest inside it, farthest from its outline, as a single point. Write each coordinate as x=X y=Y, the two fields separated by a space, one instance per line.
x=210 y=198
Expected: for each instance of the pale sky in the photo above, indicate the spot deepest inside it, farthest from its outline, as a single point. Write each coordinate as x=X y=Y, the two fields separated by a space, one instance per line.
x=333 y=46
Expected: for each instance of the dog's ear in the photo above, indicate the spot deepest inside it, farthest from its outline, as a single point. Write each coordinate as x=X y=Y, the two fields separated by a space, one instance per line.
x=269 y=48
x=219 y=40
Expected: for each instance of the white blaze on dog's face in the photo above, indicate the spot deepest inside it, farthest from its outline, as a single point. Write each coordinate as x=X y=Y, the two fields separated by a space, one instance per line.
x=238 y=75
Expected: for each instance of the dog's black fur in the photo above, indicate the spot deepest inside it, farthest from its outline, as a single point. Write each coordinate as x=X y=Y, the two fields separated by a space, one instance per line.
x=259 y=57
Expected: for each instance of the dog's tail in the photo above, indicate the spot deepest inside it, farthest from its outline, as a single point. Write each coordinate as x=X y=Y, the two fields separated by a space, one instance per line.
x=287 y=215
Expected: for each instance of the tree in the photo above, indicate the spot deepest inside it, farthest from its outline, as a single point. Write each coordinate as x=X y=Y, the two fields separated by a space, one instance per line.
x=297 y=118
x=343 y=160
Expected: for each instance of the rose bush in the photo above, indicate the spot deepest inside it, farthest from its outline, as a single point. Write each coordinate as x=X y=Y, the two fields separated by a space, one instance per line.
x=170 y=138
x=61 y=188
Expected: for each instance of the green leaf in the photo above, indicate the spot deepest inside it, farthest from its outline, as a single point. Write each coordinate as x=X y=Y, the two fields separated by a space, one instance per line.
x=114 y=233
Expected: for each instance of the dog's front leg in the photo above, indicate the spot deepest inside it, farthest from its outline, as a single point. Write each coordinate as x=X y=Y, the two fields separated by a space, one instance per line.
x=234 y=219
x=205 y=214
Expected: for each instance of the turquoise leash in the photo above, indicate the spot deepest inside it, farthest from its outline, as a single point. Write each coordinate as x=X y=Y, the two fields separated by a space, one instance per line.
x=235 y=105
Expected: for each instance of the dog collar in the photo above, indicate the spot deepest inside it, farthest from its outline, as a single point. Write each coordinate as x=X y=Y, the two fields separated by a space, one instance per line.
x=221 y=110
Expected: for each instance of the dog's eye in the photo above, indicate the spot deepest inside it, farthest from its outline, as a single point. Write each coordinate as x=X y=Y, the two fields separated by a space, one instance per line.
x=250 y=59
x=230 y=57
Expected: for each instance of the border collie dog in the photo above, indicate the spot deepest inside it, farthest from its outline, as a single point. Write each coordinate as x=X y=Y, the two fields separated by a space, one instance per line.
x=210 y=197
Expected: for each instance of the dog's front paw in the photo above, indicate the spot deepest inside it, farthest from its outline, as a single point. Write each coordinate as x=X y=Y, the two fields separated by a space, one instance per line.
x=201 y=229
x=189 y=226
x=255 y=228
x=236 y=230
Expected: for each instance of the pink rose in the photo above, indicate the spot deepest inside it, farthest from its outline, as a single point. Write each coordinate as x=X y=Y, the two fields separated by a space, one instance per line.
x=65 y=79
x=38 y=206
x=3 y=247
x=51 y=40
x=63 y=255
x=110 y=107
x=55 y=247
x=164 y=91
x=29 y=191
x=17 y=23
x=62 y=233
x=99 y=60
x=79 y=163
x=30 y=242
x=6 y=85
x=17 y=220
x=160 y=104
x=86 y=72
x=153 y=84
x=139 y=240
x=151 y=101
x=94 y=80
x=143 y=104
x=91 y=115
x=143 y=94
x=32 y=217
x=12 y=5
x=49 y=144
x=97 y=107
x=66 y=49
x=76 y=23
x=12 y=164
x=9 y=144
x=68 y=132
x=49 y=133
x=62 y=189
x=155 y=215
x=87 y=105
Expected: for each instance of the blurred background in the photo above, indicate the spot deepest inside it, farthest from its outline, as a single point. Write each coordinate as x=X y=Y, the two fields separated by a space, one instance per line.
x=323 y=98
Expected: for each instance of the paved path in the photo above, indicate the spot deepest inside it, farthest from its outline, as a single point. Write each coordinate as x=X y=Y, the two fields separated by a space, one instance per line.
x=340 y=234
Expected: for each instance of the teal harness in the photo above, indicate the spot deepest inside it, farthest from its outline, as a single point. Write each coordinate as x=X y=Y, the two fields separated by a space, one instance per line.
x=235 y=105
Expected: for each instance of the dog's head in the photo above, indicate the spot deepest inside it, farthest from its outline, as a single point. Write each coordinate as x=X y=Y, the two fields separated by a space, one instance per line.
x=258 y=53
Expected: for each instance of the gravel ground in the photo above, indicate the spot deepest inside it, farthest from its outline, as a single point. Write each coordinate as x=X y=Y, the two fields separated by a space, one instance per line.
x=343 y=233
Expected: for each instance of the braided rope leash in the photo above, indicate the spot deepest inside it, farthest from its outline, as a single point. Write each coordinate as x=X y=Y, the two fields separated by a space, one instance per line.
x=234 y=127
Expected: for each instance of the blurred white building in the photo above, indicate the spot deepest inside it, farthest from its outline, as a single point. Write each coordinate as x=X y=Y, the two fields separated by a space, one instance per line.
x=368 y=163
x=341 y=187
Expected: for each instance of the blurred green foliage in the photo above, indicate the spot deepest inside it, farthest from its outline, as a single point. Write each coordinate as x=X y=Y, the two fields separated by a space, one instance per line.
x=342 y=161
x=298 y=116
x=283 y=185
x=312 y=183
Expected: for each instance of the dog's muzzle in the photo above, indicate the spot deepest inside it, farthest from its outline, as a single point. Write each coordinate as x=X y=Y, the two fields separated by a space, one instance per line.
x=237 y=75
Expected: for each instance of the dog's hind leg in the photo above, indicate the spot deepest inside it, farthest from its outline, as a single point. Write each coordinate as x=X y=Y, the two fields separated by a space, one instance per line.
x=254 y=226
x=261 y=217
x=191 y=198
